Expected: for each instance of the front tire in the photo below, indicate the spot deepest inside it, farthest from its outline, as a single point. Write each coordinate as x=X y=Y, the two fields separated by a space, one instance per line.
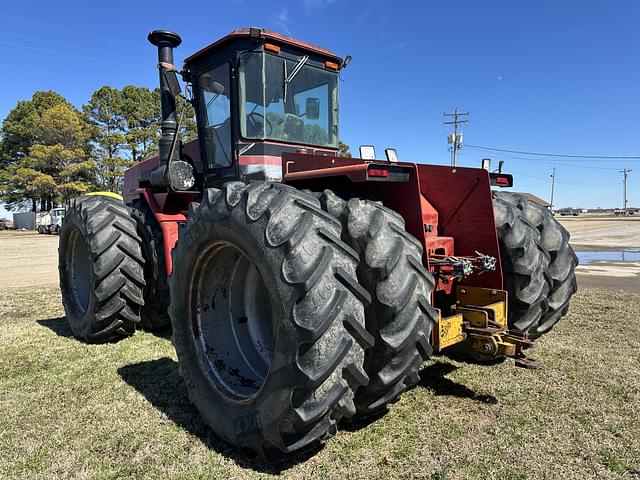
x=267 y=317
x=101 y=269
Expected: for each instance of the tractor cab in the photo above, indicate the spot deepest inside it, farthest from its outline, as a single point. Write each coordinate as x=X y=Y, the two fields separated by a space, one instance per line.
x=258 y=94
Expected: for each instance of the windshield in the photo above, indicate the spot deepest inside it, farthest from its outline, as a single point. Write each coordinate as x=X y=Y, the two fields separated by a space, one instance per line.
x=288 y=100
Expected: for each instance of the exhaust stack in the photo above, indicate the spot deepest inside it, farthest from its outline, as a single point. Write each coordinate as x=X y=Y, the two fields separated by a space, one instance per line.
x=166 y=41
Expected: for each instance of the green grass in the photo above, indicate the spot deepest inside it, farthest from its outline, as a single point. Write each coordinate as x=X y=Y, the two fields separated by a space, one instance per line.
x=69 y=410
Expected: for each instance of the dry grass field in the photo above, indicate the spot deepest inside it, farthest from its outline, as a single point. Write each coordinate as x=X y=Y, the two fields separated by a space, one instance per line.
x=70 y=410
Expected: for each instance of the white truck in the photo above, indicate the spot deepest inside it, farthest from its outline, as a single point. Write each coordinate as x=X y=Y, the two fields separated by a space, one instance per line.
x=51 y=222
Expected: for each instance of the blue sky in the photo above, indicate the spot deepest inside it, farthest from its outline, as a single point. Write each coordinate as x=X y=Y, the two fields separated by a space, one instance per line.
x=543 y=76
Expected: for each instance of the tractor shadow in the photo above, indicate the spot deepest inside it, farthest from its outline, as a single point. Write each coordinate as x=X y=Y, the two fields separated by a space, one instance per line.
x=59 y=326
x=433 y=377
x=164 y=333
x=161 y=384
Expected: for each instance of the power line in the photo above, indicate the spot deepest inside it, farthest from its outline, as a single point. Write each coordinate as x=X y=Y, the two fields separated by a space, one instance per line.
x=509 y=156
x=558 y=163
x=55 y=27
x=562 y=182
x=455 y=138
x=562 y=155
x=558 y=182
x=48 y=42
x=73 y=55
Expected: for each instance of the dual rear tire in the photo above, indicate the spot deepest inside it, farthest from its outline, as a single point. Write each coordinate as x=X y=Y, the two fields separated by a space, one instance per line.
x=268 y=298
x=268 y=317
x=400 y=316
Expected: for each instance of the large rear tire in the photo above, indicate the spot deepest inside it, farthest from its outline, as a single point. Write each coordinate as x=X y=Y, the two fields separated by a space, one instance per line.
x=538 y=263
x=268 y=317
x=101 y=269
x=155 y=313
x=400 y=316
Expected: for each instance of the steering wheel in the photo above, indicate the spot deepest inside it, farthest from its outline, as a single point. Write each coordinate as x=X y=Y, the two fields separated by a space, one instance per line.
x=261 y=120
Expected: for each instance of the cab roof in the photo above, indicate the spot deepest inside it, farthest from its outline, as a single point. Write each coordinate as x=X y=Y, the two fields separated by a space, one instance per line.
x=265 y=35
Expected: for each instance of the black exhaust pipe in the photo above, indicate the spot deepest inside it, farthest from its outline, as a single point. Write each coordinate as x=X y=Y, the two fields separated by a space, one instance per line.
x=166 y=41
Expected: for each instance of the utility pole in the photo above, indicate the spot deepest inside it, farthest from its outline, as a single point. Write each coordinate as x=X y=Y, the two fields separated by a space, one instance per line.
x=625 y=173
x=553 y=184
x=455 y=138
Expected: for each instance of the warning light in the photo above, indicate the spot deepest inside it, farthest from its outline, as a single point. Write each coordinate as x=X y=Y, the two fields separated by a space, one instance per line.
x=378 y=172
x=272 y=48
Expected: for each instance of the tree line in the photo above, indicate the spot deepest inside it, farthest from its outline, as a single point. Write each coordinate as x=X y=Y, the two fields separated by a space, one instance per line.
x=51 y=152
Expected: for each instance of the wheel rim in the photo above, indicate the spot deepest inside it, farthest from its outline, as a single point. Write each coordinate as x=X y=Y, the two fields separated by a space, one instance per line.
x=79 y=272
x=233 y=321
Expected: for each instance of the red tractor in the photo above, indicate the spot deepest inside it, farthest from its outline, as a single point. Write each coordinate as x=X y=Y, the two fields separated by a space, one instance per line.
x=302 y=287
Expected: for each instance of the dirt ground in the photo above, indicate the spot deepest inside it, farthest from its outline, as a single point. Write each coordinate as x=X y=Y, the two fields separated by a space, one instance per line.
x=27 y=259
x=599 y=232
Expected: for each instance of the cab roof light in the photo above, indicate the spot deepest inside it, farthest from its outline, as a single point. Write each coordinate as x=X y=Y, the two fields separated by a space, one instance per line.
x=391 y=154
x=272 y=48
x=331 y=65
x=367 y=152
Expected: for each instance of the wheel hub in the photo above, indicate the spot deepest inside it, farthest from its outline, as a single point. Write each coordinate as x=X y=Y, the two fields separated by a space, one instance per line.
x=233 y=321
x=79 y=273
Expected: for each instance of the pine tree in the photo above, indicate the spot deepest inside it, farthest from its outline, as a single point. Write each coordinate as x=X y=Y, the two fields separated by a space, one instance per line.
x=46 y=153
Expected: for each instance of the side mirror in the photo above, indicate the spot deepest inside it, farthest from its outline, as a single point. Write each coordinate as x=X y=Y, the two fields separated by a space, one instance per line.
x=172 y=81
x=312 y=108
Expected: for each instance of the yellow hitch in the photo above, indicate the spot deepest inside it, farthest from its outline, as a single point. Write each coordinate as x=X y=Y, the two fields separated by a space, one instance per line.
x=480 y=318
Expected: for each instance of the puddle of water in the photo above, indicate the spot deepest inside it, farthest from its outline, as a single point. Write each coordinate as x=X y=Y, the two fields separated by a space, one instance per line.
x=611 y=256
